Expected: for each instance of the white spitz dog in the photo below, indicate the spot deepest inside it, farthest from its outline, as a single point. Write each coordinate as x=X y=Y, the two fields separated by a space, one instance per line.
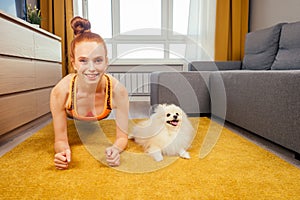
x=168 y=132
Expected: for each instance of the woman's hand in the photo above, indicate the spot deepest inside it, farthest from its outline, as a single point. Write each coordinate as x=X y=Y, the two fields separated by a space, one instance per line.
x=62 y=159
x=112 y=156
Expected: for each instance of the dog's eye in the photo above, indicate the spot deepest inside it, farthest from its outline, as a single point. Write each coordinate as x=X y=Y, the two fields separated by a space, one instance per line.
x=168 y=115
x=177 y=114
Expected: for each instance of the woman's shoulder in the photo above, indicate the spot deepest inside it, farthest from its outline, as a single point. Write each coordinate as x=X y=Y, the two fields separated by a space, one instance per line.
x=67 y=79
x=117 y=85
x=62 y=87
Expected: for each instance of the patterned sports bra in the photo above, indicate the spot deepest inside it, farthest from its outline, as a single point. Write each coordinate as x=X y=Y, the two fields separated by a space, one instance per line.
x=71 y=102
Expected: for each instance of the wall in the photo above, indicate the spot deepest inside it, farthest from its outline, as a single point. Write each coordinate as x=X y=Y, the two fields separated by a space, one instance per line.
x=266 y=13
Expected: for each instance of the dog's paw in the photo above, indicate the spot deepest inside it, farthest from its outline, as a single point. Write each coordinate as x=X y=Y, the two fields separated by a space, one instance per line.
x=157 y=156
x=185 y=154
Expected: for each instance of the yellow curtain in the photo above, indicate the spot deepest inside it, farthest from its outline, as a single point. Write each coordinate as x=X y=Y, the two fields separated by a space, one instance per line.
x=231 y=29
x=56 y=16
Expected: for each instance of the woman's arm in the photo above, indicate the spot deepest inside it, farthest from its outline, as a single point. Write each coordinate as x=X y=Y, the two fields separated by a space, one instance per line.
x=58 y=99
x=121 y=105
x=59 y=121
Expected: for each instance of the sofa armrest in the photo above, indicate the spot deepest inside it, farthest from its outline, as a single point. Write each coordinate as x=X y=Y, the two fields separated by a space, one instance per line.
x=189 y=90
x=214 y=65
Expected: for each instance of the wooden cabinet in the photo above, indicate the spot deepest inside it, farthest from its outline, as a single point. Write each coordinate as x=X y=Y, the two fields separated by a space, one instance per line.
x=30 y=65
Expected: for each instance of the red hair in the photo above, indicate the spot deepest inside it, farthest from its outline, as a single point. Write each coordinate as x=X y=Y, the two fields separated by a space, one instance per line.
x=82 y=32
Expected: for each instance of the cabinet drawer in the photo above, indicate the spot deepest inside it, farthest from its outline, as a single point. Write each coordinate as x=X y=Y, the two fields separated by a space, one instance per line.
x=46 y=48
x=16 y=40
x=19 y=109
x=47 y=74
x=43 y=101
x=16 y=75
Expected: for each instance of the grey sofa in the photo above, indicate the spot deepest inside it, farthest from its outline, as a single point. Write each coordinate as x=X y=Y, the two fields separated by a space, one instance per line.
x=261 y=93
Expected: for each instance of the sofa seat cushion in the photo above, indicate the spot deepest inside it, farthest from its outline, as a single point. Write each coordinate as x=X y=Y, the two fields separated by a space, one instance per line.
x=288 y=56
x=261 y=48
x=262 y=102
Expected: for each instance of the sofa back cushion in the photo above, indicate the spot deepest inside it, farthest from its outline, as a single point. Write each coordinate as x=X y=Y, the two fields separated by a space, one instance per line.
x=261 y=48
x=288 y=56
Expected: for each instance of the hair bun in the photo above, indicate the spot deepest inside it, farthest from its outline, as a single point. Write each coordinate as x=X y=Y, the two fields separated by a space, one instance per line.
x=80 y=25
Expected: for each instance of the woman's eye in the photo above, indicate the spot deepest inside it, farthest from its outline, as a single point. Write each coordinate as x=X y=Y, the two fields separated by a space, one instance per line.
x=99 y=60
x=83 y=61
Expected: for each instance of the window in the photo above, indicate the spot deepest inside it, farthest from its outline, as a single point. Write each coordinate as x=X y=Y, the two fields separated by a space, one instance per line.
x=180 y=16
x=140 y=29
x=140 y=51
x=139 y=16
x=99 y=14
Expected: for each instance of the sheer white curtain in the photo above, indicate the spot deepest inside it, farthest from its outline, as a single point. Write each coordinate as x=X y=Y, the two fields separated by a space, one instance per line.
x=201 y=30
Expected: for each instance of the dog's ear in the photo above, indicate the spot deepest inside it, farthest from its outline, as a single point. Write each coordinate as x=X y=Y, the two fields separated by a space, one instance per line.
x=159 y=108
x=156 y=109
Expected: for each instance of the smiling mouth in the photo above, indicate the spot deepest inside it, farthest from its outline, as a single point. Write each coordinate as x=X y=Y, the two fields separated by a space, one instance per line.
x=173 y=122
x=91 y=76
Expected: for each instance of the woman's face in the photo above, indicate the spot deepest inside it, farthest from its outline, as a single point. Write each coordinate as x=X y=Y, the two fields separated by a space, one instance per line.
x=90 y=61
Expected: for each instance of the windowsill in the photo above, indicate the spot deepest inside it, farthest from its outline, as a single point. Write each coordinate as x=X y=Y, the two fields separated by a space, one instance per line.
x=148 y=61
x=147 y=65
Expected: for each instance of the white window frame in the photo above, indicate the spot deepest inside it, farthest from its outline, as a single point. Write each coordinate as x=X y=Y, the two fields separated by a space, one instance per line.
x=166 y=38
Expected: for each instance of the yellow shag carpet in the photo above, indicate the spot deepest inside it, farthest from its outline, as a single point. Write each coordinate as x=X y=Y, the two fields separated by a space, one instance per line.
x=234 y=169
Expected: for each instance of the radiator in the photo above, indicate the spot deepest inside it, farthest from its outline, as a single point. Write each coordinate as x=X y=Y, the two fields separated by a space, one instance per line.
x=136 y=78
x=136 y=83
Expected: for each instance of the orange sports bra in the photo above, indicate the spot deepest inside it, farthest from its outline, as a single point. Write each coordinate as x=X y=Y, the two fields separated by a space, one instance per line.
x=71 y=102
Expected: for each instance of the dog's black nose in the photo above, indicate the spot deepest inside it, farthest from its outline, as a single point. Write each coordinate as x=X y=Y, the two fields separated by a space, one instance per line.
x=175 y=116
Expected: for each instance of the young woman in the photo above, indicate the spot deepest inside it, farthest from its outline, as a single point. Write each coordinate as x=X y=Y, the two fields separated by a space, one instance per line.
x=89 y=94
